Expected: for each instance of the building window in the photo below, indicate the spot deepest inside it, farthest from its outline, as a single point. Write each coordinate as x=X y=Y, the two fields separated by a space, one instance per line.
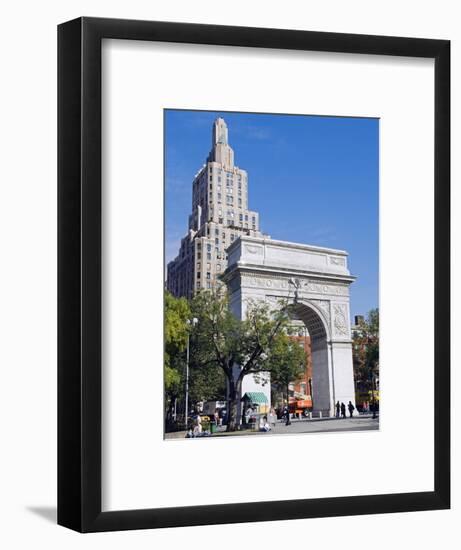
x=240 y=202
x=208 y=275
x=241 y=217
x=208 y=266
x=198 y=274
x=208 y=247
x=208 y=255
x=216 y=241
x=218 y=267
x=216 y=231
x=208 y=284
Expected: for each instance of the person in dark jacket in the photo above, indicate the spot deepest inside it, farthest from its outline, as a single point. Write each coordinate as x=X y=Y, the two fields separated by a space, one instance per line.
x=338 y=408
x=343 y=410
x=351 y=408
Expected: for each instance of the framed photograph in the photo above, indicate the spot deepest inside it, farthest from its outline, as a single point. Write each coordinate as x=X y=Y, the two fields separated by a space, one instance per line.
x=254 y=274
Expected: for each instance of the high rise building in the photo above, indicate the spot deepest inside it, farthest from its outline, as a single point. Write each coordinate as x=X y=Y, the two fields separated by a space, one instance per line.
x=220 y=214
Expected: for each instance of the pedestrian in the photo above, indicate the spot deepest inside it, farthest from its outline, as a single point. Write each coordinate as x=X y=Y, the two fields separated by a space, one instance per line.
x=351 y=408
x=286 y=414
x=248 y=415
x=338 y=407
x=220 y=415
x=198 y=425
x=264 y=425
x=272 y=417
x=343 y=410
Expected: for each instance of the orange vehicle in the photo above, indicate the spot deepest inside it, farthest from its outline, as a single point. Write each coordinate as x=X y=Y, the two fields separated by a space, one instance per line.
x=301 y=406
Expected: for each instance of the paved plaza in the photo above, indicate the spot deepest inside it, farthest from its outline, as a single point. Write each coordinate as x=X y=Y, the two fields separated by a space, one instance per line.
x=314 y=425
x=356 y=423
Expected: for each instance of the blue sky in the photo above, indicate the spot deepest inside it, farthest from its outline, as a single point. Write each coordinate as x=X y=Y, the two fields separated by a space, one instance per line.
x=314 y=180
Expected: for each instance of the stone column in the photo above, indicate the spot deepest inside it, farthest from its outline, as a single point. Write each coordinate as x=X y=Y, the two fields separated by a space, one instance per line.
x=343 y=372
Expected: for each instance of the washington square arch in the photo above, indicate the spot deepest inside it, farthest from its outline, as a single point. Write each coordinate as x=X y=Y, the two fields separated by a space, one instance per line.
x=314 y=282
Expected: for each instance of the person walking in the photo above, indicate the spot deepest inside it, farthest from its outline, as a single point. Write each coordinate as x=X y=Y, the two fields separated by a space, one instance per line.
x=248 y=415
x=285 y=414
x=272 y=417
x=343 y=410
x=220 y=416
x=351 y=408
x=338 y=408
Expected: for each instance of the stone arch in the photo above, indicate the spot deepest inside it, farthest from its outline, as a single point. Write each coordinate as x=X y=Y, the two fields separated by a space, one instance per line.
x=316 y=282
x=313 y=317
x=319 y=331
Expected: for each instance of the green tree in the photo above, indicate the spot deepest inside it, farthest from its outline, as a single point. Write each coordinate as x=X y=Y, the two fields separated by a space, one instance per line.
x=237 y=347
x=287 y=362
x=366 y=352
x=204 y=383
x=177 y=311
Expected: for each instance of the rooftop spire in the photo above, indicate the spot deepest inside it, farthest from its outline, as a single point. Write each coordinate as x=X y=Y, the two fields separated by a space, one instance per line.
x=220 y=132
x=220 y=149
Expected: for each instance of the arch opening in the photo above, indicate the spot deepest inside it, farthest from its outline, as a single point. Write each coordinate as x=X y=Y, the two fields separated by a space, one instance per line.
x=321 y=376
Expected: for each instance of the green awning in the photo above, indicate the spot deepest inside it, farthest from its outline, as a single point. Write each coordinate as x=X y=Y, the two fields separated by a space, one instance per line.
x=255 y=397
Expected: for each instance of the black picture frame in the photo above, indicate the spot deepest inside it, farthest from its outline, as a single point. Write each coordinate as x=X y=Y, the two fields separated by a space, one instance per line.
x=79 y=274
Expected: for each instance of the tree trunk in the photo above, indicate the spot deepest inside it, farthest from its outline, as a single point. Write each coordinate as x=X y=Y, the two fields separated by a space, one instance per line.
x=234 y=403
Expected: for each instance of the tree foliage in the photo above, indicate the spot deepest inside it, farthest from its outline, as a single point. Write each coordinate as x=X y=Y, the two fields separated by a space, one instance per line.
x=366 y=349
x=205 y=382
x=177 y=311
x=237 y=347
x=287 y=362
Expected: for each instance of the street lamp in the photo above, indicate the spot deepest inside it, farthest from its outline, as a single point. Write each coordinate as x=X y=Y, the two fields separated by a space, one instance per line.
x=190 y=322
x=297 y=285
